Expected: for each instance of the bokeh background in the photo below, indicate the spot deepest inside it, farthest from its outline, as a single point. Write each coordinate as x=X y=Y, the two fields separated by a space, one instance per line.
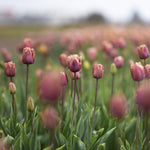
x=25 y=18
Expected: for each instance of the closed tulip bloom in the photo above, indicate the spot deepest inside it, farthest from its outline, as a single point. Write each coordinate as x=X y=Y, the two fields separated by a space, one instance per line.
x=119 y=61
x=10 y=69
x=86 y=65
x=12 y=88
x=72 y=75
x=121 y=43
x=74 y=63
x=63 y=59
x=27 y=43
x=143 y=98
x=113 y=69
x=92 y=53
x=49 y=88
x=28 y=56
x=63 y=78
x=137 y=71
x=118 y=106
x=143 y=51
x=49 y=117
x=30 y=104
x=97 y=71
x=147 y=71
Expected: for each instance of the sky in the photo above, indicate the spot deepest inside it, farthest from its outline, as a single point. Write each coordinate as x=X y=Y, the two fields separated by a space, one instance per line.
x=115 y=10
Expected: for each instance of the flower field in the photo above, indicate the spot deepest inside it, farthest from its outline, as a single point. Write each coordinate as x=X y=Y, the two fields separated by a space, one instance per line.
x=76 y=88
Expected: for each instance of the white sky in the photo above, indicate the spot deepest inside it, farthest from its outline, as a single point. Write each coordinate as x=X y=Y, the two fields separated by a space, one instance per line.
x=116 y=10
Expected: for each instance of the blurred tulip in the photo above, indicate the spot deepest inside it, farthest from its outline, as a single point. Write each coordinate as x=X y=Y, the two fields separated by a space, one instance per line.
x=118 y=106
x=49 y=118
x=63 y=59
x=10 y=69
x=30 y=104
x=143 y=51
x=86 y=65
x=92 y=53
x=49 y=88
x=137 y=71
x=12 y=88
x=63 y=78
x=147 y=71
x=119 y=61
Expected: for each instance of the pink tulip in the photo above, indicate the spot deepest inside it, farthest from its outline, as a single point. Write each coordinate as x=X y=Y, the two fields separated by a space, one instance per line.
x=97 y=71
x=119 y=61
x=143 y=51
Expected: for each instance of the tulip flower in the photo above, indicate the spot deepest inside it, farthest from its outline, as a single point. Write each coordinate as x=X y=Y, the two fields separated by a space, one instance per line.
x=28 y=58
x=63 y=59
x=49 y=88
x=10 y=69
x=143 y=51
x=147 y=71
x=143 y=102
x=119 y=61
x=137 y=71
x=97 y=73
x=50 y=120
x=118 y=106
x=92 y=53
x=113 y=71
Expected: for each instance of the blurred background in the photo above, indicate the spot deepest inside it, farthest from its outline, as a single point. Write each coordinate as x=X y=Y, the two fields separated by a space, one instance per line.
x=21 y=18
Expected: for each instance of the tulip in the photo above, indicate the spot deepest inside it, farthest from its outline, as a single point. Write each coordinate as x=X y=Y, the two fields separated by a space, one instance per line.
x=119 y=61
x=49 y=88
x=113 y=71
x=63 y=59
x=12 y=88
x=73 y=76
x=42 y=49
x=121 y=43
x=143 y=51
x=97 y=73
x=143 y=102
x=74 y=63
x=92 y=53
x=10 y=69
x=118 y=106
x=86 y=65
x=137 y=71
x=147 y=71
x=50 y=120
x=28 y=56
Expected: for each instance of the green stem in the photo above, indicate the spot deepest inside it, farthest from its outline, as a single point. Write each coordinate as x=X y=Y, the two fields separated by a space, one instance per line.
x=26 y=94
x=14 y=109
x=31 y=122
x=137 y=128
x=112 y=88
x=95 y=102
x=147 y=133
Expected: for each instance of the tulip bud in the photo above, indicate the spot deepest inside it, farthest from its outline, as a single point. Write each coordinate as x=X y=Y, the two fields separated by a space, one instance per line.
x=72 y=75
x=42 y=49
x=97 y=71
x=10 y=69
x=63 y=59
x=119 y=61
x=86 y=65
x=137 y=71
x=63 y=78
x=118 y=106
x=28 y=55
x=49 y=87
x=142 y=98
x=147 y=71
x=30 y=104
x=143 y=51
x=12 y=88
x=113 y=69
x=49 y=118
x=74 y=63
